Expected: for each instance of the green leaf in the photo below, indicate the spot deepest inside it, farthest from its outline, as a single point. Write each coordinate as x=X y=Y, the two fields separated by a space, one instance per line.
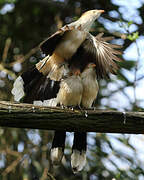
x=133 y=36
x=129 y=23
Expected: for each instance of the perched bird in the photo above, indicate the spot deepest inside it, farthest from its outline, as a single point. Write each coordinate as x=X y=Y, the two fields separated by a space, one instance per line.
x=90 y=85
x=90 y=90
x=68 y=75
x=69 y=94
x=71 y=89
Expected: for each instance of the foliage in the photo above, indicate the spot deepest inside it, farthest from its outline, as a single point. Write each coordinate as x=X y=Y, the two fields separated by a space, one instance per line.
x=24 y=154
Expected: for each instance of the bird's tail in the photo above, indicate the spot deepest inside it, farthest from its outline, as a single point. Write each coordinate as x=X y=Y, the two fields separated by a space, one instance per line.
x=39 y=83
x=78 y=157
x=25 y=82
x=58 y=146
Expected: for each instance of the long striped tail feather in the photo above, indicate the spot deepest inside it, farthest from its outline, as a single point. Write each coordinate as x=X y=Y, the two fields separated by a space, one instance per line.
x=78 y=157
x=58 y=145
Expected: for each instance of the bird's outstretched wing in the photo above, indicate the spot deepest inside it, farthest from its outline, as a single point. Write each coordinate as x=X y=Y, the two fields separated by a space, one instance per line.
x=49 y=44
x=103 y=54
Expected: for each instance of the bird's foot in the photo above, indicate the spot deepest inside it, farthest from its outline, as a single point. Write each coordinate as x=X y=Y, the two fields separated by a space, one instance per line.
x=63 y=107
x=83 y=111
x=93 y=108
x=72 y=108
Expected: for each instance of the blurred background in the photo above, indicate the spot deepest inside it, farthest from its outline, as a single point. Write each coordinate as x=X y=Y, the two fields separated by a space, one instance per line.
x=24 y=153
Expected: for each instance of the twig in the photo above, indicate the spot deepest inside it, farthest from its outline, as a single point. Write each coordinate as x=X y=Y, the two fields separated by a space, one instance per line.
x=51 y=176
x=12 y=166
x=136 y=64
x=140 y=78
x=47 y=174
x=11 y=73
x=6 y=49
x=135 y=74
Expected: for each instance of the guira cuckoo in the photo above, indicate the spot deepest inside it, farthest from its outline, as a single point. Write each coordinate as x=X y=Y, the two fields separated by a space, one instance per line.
x=68 y=75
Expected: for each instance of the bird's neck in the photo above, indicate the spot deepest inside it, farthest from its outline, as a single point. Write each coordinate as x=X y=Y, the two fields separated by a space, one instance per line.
x=89 y=74
x=86 y=23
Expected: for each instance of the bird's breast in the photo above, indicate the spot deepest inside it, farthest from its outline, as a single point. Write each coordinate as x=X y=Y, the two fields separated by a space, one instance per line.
x=70 y=92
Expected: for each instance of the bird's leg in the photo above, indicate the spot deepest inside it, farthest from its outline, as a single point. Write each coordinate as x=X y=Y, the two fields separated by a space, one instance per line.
x=72 y=107
x=83 y=111
x=76 y=107
x=79 y=108
x=63 y=107
x=94 y=108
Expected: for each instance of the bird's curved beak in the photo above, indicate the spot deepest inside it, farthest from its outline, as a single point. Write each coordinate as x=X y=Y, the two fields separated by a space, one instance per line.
x=93 y=65
x=77 y=72
x=101 y=11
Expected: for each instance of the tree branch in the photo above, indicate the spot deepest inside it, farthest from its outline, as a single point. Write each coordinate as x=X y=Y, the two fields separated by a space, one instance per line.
x=37 y=117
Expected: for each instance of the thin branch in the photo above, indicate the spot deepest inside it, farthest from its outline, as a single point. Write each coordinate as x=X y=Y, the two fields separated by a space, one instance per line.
x=135 y=74
x=140 y=78
x=11 y=166
x=6 y=49
x=11 y=73
x=51 y=176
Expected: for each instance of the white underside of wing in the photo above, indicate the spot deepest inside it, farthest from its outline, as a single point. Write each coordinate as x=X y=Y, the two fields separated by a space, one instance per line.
x=56 y=155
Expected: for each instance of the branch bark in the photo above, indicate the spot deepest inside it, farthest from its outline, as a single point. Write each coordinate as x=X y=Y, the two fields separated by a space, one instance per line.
x=37 y=117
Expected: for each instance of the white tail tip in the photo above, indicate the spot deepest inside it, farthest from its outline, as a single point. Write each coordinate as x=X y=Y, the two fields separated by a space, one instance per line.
x=78 y=160
x=56 y=155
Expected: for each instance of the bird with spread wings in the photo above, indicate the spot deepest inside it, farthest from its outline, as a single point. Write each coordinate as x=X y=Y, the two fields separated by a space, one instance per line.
x=67 y=76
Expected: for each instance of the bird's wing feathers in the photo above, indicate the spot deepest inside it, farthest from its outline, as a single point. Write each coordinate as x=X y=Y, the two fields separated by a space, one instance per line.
x=34 y=86
x=49 y=45
x=102 y=53
x=43 y=89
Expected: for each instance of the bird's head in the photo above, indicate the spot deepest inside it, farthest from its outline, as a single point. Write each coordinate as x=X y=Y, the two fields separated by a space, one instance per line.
x=91 y=65
x=74 y=71
x=87 y=19
x=92 y=14
x=89 y=71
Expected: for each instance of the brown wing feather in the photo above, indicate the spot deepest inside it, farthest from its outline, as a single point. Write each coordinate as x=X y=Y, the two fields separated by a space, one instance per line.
x=49 y=45
x=102 y=54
